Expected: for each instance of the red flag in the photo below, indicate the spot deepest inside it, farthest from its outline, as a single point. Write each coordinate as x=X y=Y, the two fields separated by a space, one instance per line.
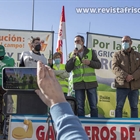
x=61 y=34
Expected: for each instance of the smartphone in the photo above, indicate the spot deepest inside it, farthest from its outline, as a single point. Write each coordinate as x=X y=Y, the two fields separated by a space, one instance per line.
x=19 y=78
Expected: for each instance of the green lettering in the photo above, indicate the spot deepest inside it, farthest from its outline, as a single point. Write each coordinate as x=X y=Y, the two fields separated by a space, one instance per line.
x=101 y=44
x=134 y=47
x=114 y=48
x=138 y=48
x=95 y=42
x=107 y=45
x=118 y=47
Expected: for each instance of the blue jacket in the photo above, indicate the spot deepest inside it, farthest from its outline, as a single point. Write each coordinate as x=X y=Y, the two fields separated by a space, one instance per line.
x=67 y=125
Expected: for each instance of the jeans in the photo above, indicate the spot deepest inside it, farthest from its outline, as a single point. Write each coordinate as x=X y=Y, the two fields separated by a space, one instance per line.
x=133 y=96
x=92 y=98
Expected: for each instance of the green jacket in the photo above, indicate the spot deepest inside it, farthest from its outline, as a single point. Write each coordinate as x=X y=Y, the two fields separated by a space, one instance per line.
x=6 y=62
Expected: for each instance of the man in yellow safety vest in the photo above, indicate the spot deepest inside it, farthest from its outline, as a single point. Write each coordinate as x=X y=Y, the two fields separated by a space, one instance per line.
x=83 y=62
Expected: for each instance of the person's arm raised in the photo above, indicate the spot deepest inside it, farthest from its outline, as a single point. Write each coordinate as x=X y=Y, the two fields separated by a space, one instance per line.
x=68 y=126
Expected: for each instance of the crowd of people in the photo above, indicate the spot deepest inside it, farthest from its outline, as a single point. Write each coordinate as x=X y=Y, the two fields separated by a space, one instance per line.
x=53 y=78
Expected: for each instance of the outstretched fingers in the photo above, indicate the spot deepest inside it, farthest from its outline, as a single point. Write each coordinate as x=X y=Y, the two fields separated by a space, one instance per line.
x=50 y=72
x=40 y=71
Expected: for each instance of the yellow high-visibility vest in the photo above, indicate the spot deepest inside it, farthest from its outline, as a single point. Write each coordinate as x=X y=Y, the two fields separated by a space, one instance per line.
x=83 y=72
x=63 y=82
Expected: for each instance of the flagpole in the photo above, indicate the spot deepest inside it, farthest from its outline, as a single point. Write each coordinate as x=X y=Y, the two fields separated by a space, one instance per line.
x=66 y=42
x=62 y=35
x=66 y=48
x=33 y=16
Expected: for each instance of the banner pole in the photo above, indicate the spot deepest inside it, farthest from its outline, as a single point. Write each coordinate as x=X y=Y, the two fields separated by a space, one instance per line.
x=33 y=17
x=66 y=49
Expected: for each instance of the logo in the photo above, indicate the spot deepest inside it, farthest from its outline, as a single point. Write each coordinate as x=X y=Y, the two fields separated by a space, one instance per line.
x=112 y=113
x=125 y=114
x=20 y=133
x=113 y=85
x=139 y=99
x=43 y=43
x=104 y=98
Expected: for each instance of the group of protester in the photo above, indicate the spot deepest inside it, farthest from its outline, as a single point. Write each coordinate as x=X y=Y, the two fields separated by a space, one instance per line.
x=82 y=63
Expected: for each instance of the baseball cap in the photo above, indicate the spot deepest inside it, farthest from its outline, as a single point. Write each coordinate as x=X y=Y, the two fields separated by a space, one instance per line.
x=2 y=50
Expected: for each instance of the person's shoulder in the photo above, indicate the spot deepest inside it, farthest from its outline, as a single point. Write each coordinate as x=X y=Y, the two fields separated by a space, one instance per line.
x=43 y=56
x=136 y=52
x=43 y=59
x=93 y=51
x=90 y=49
x=118 y=52
x=70 y=54
x=26 y=52
x=8 y=58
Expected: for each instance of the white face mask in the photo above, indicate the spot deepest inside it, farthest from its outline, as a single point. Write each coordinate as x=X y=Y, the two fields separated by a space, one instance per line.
x=125 y=45
x=78 y=46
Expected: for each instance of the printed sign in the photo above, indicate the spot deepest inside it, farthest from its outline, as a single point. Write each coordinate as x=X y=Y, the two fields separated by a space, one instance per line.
x=36 y=128
x=105 y=46
x=17 y=41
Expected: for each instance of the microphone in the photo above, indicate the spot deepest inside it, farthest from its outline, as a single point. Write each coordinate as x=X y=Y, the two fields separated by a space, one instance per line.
x=76 y=50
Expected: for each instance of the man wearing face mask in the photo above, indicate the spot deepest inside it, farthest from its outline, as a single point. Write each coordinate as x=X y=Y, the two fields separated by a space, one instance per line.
x=5 y=61
x=126 y=67
x=30 y=58
x=83 y=62
x=61 y=74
